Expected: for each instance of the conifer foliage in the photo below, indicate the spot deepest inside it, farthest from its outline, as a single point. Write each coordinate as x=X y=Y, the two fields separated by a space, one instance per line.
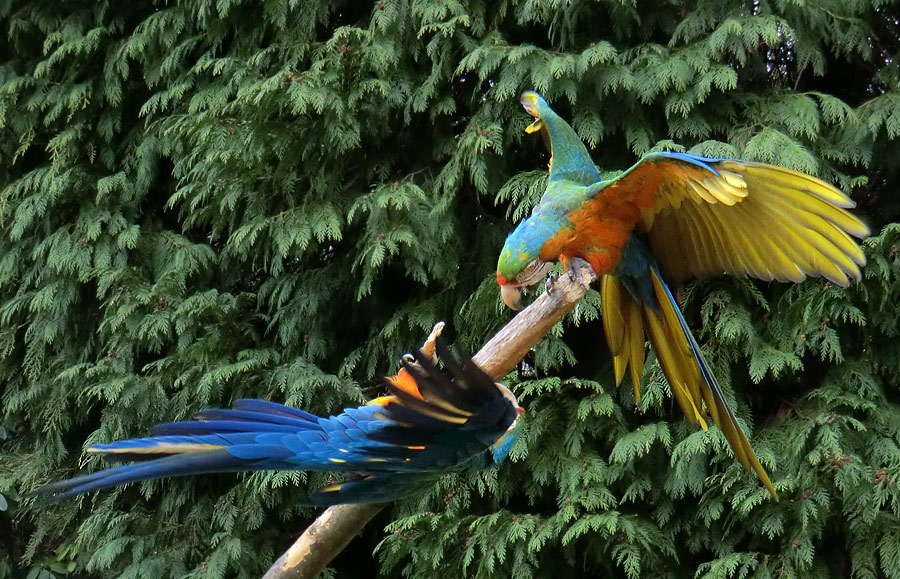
x=204 y=201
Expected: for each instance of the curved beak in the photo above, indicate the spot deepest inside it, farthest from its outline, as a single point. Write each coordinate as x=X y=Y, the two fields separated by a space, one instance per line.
x=512 y=296
x=534 y=127
x=511 y=290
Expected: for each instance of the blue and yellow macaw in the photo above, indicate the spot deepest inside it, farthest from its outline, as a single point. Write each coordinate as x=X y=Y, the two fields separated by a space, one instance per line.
x=429 y=423
x=674 y=216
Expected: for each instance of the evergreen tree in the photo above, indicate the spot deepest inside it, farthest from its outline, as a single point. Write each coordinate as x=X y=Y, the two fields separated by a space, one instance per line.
x=203 y=201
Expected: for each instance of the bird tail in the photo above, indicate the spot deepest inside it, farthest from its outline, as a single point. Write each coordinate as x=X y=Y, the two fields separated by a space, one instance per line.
x=245 y=438
x=627 y=319
x=431 y=422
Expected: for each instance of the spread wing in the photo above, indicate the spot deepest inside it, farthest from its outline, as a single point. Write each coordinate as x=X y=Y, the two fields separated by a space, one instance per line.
x=432 y=421
x=707 y=216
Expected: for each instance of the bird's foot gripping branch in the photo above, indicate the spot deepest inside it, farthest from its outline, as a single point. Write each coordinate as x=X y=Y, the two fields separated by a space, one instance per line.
x=581 y=272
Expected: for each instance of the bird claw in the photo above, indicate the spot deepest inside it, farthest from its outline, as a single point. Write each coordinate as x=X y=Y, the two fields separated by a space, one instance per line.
x=548 y=284
x=577 y=273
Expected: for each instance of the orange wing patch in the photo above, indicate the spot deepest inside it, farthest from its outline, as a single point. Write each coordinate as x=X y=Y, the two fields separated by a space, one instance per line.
x=404 y=381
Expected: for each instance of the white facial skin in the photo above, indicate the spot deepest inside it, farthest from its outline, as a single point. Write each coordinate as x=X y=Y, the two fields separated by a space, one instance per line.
x=507 y=393
x=533 y=273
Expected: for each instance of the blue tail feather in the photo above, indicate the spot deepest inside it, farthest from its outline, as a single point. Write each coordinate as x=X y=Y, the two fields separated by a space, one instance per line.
x=170 y=466
x=384 y=443
x=196 y=427
x=273 y=409
x=247 y=416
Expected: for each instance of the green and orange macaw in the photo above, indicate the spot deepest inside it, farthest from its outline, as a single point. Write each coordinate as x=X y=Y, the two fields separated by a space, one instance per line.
x=670 y=217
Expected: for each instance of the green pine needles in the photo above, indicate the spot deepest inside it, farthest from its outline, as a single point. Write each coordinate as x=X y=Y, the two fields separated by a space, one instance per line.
x=204 y=201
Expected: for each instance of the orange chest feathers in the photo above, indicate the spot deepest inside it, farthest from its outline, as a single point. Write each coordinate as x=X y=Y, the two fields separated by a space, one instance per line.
x=596 y=232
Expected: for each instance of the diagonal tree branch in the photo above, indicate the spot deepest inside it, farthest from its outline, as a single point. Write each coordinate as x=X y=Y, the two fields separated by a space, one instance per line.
x=332 y=531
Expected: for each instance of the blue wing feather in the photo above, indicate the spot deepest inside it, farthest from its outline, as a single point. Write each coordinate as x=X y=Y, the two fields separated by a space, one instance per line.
x=389 y=445
x=689 y=158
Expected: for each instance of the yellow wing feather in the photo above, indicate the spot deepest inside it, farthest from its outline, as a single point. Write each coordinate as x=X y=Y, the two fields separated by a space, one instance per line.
x=622 y=323
x=755 y=219
x=635 y=341
x=625 y=322
x=672 y=359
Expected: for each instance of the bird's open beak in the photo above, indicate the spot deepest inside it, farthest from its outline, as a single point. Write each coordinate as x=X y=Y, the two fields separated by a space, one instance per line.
x=534 y=127
x=512 y=296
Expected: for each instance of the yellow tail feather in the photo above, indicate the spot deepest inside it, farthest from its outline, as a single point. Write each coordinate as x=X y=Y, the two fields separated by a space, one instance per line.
x=626 y=322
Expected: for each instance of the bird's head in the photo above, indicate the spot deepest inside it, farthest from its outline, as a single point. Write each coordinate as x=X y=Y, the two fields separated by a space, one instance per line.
x=520 y=264
x=535 y=105
x=569 y=158
x=511 y=287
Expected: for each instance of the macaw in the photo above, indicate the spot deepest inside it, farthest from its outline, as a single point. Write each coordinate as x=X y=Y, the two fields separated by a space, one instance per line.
x=670 y=217
x=428 y=424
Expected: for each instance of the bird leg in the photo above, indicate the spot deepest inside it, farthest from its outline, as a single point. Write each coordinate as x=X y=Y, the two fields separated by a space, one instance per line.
x=428 y=346
x=548 y=283
x=578 y=270
x=581 y=272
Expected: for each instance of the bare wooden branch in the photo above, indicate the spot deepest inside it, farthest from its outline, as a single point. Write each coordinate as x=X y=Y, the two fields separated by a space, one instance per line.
x=322 y=541
x=332 y=531
x=509 y=345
